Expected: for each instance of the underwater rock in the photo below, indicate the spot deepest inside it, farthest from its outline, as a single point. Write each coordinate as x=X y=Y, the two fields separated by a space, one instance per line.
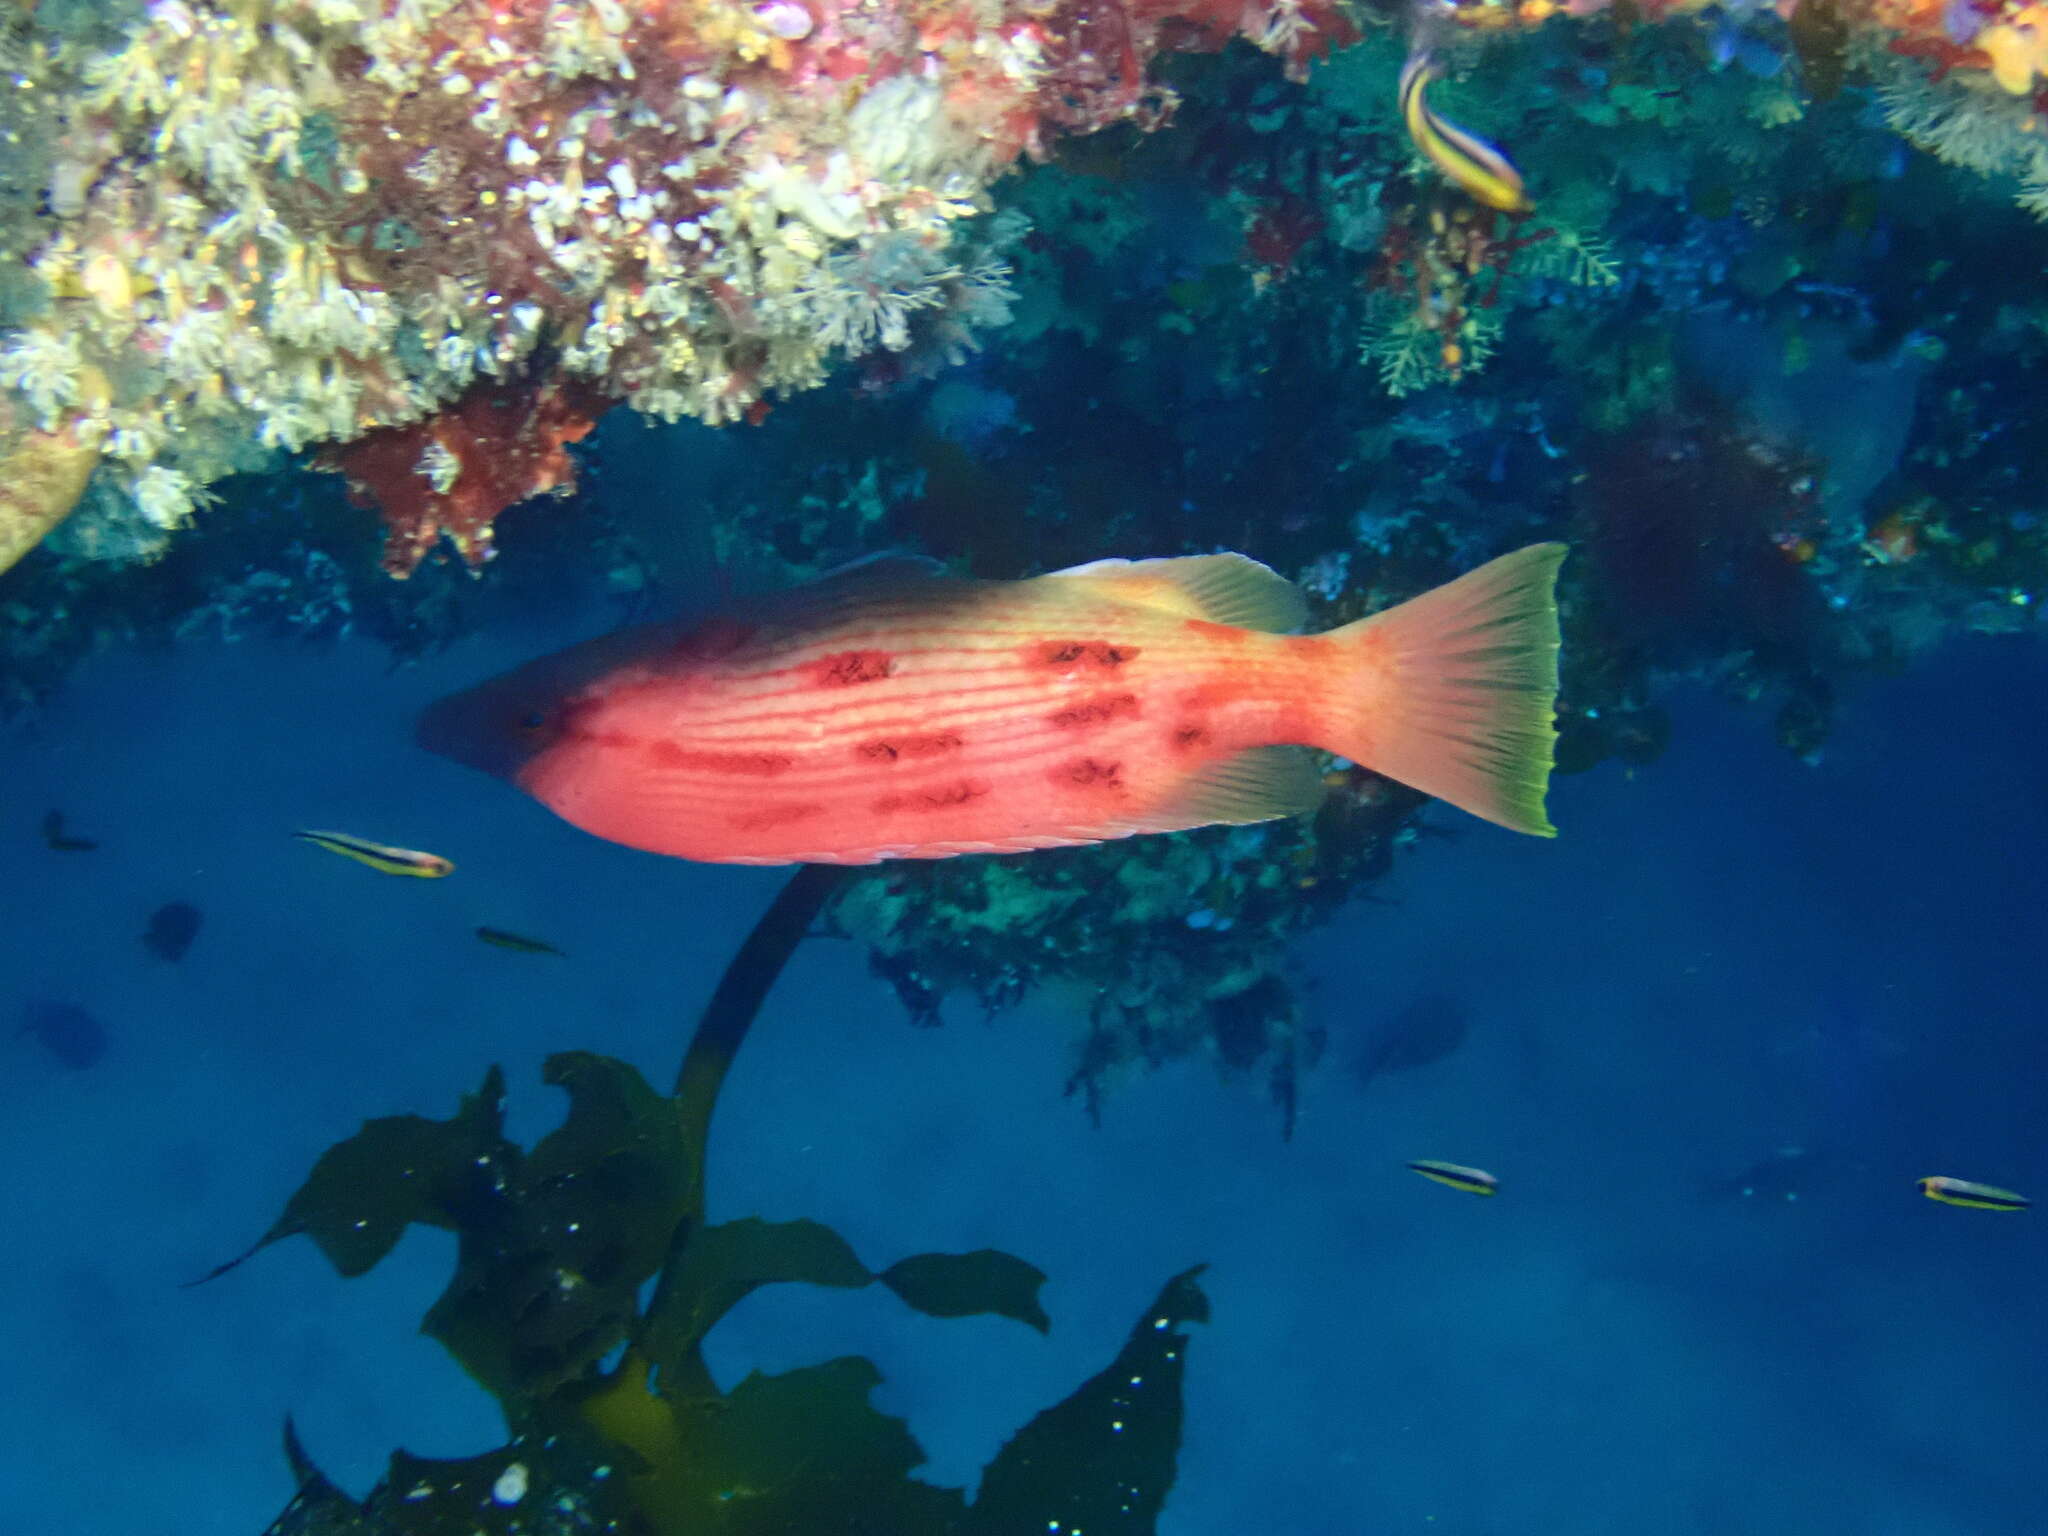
x=67 y=1032
x=172 y=928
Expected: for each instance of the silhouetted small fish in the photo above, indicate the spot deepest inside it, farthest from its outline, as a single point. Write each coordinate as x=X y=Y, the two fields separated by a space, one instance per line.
x=54 y=836
x=172 y=928
x=1780 y=1177
x=517 y=941
x=1473 y=1181
x=67 y=1032
x=380 y=856
x=1426 y=1031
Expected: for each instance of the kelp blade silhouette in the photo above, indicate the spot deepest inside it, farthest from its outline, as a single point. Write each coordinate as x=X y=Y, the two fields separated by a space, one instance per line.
x=554 y=1247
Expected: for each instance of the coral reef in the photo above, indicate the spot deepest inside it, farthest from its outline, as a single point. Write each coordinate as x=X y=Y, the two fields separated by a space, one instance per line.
x=301 y=221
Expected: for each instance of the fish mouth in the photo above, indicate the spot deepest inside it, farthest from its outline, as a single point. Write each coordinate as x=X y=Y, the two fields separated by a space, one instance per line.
x=501 y=724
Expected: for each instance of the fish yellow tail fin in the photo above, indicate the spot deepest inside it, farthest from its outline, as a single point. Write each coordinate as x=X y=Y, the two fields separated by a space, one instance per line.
x=1452 y=692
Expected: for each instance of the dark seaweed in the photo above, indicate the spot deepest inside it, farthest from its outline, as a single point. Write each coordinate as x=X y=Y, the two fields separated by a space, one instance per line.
x=554 y=1247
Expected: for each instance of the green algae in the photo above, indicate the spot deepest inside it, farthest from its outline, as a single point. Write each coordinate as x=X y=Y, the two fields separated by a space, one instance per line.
x=615 y=1422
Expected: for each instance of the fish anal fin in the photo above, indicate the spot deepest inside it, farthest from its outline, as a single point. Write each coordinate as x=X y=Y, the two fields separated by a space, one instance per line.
x=1261 y=784
x=1223 y=589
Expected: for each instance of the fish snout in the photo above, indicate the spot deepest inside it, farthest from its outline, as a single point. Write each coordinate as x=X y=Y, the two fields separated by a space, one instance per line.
x=483 y=728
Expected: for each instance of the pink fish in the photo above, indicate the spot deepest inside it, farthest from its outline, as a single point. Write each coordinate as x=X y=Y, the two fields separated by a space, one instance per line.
x=892 y=712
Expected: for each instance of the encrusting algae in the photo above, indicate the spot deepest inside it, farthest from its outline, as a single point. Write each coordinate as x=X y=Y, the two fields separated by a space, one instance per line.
x=297 y=222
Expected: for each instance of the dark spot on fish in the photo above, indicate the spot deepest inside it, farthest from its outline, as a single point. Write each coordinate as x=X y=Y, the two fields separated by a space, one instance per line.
x=942 y=798
x=1090 y=773
x=773 y=816
x=1099 y=710
x=907 y=746
x=713 y=640
x=850 y=667
x=663 y=753
x=1187 y=738
x=67 y=1032
x=172 y=928
x=1084 y=653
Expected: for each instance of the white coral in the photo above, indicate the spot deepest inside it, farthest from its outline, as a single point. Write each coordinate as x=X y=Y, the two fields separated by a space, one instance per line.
x=45 y=368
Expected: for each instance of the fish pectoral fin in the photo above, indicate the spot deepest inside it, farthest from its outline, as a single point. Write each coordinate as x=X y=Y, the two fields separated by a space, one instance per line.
x=1224 y=589
x=1263 y=784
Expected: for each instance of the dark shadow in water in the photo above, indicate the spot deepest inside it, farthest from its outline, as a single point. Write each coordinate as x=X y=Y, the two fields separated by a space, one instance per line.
x=70 y=1034
x=172 y=928
x=1424 y=1032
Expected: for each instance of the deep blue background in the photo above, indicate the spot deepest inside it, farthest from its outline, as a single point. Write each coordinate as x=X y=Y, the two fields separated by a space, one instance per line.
x=1727 y=953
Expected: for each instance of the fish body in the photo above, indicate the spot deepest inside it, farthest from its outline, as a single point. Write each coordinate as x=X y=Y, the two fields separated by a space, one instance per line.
x=517 y=942
x=1473 y=1181
x=380 y=856
x=894 y=713
x=1478 y=169
x=1976 y=1197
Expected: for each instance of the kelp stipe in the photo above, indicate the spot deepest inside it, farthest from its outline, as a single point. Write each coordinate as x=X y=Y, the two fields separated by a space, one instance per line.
x=554 y=1245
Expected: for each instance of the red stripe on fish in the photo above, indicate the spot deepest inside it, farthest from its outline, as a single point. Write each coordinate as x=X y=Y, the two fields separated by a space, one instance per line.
x=907 y=746
x=772 y=816
x=1097 y=711
x=666 y=754
x=946 y=797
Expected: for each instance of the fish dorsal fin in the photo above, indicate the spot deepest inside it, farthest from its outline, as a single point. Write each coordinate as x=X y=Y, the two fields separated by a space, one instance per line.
x=1224 y=589
x=860 y=581
x=884 y=565
x=1262 y=784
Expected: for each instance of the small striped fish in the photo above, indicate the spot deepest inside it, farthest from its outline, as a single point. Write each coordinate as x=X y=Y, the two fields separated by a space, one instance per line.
x=381 y=857
x=1973 y=1196
x=891 y=712
x=1480 y=170
x=1473 y=1181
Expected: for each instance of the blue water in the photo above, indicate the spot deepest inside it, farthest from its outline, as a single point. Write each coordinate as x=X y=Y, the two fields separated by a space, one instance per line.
x=1727 y=953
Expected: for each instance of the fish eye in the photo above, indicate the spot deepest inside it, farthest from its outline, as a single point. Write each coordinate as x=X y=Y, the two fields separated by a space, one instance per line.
x=532 y=720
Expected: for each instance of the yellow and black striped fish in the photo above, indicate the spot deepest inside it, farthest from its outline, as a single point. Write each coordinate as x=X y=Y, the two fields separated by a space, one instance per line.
x=1977 y=1197
x=380 y=856
x=1475 y=166
x=1473 y=1181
